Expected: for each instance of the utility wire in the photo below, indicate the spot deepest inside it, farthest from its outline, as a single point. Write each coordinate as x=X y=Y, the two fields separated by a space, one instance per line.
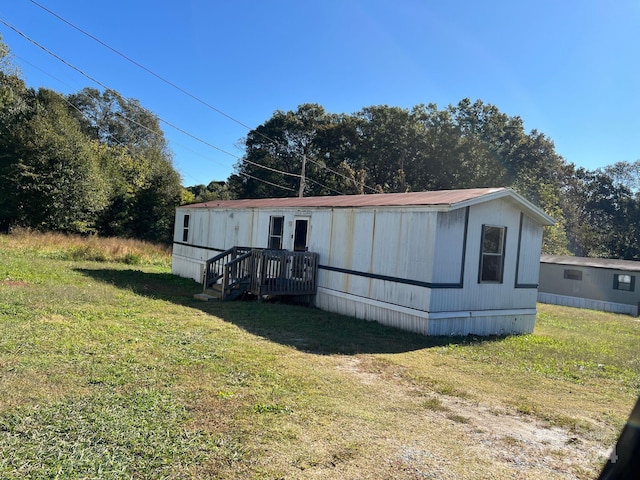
x=185 y=92
x=111 y=136
x=243 y=174
x=323 y=185
x=98 y=82
x=361 y=184
x=149 y=71
x=84 y=115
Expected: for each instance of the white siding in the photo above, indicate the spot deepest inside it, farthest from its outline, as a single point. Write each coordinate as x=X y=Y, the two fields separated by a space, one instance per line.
x=530 y=246
x=500 y=322
x=390 y=257
x=319 y=233
x=477 y=296
x=199 y=227
x=449 y=243
x=369 y=309
x=187 y=267
x=238 y=229
x=403 y=244
x=177 y=228
x=420 y=232
x=377 y=242
x=489 y=322
x=350 y=247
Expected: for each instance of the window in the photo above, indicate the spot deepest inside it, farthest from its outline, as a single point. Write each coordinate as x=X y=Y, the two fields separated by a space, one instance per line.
x=276 y=226
x=492 y=254
x=624 y=282
x=185 y=228
x=573 y=274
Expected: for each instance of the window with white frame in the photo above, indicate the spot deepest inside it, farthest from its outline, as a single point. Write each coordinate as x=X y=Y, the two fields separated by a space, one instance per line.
x=185 y=228
x=276 y=228
x=623 y=281
x=492 y=254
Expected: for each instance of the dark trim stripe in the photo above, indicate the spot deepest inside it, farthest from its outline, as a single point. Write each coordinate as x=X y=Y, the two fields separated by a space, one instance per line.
x=408 y=281
x=515 y=282
x=375 y=276
x=185 y=244
x=464 y=245
x=405 y=281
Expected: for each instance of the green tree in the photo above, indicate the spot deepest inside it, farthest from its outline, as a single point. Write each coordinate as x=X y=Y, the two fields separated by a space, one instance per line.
x=204 y=193
x=144 y=186
x=51 y=169
x=603 y=216
x=625 y=174
x=391 y=149
x=274 y=155
x=387 y=147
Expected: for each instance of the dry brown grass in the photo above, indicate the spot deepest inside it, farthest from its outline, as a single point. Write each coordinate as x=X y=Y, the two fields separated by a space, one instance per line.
x=91 y=248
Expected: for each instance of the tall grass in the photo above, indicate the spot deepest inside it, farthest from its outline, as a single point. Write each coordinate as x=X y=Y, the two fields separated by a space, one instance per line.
x=60 y=246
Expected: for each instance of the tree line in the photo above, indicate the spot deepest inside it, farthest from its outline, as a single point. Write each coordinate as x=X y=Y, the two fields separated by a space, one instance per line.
x=93 y=162
x=89 y=162
x=471 y=144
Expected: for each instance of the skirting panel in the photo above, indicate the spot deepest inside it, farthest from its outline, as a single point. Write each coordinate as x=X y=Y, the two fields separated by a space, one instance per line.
x=494 y=322
x=187 y=267
x=587 y=303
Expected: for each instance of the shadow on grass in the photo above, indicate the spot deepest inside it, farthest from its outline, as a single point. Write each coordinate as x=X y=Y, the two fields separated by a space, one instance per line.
x=306 y=329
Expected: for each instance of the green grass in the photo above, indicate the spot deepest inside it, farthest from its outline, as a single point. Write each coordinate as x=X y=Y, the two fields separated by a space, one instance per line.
x=103 y=435
x=111 y=369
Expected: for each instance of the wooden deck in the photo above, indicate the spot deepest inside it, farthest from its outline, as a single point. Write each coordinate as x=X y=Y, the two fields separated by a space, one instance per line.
x=261 y=272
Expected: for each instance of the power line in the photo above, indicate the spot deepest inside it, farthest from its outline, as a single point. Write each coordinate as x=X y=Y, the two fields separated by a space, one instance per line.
x=185 y=92
x=243 y=174
x=362 y=184
x=64 y=98
x=179 y=89
x=139 y=65
x=324 y=186
x=98 y=82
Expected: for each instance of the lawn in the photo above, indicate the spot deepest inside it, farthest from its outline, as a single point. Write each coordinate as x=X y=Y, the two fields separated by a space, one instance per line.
x=109 y=368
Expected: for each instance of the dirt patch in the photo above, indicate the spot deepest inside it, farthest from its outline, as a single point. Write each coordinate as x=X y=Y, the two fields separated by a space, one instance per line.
x=524 y=441
x=503 y=438
x=13 y=283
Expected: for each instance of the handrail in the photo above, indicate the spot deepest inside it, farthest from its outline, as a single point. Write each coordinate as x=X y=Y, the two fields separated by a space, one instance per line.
x=236 y=271
x=214 y=267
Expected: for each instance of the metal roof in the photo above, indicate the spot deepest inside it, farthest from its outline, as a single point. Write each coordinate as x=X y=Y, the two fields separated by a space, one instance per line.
x=446 y=199
x=612 y=264
x=440 y=197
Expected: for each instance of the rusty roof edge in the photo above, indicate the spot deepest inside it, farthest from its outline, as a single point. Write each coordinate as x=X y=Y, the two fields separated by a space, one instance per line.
x=534 y=211
x=341 y=201
x=477 y=195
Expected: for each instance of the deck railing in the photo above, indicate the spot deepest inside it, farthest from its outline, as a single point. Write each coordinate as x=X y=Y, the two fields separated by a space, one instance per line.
x=282 y=272
x=237 y=275
x=215 y=267
x=262 y=272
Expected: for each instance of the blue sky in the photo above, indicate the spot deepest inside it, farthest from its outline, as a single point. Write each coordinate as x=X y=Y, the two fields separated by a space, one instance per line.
x=570 y=69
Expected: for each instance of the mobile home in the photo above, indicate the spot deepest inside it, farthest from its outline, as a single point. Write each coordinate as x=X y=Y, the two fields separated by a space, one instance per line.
x=594 y=283
x=452 y=262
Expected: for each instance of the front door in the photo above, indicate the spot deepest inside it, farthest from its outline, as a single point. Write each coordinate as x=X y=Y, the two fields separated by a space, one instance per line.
x=300 y=235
